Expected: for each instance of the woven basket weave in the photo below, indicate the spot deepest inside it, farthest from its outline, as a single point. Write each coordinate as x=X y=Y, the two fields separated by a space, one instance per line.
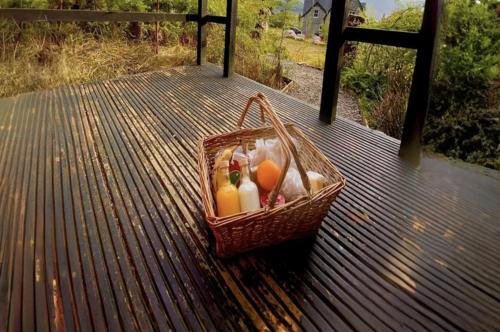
x=272 y=224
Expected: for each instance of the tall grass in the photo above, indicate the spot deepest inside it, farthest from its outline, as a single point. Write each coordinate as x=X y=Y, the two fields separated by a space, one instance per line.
x=254 y=58
x=43 y=55
x=38 y=56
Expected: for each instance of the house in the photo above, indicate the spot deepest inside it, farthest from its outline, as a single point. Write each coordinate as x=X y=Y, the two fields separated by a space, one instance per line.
x=317 y=12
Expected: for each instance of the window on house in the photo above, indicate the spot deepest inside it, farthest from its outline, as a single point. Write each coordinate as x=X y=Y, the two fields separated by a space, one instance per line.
x=316 y=13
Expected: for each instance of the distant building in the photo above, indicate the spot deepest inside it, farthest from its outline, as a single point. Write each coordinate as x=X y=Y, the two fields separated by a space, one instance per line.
x=317 y=12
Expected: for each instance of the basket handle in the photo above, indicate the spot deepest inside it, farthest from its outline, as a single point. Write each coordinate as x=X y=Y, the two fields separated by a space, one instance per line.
x=286 y=143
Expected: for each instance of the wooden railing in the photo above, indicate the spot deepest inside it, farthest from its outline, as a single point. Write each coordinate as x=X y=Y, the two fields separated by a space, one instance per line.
x=424 y=41
x=202 y=18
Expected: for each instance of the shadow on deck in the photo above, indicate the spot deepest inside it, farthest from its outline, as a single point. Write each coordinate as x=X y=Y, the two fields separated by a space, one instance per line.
x=101 y=221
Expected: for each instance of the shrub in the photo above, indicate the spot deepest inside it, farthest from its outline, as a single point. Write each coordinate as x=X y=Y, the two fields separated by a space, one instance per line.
x=255 y=58
x=464 y=111
x=378 y=74
x=469 y=134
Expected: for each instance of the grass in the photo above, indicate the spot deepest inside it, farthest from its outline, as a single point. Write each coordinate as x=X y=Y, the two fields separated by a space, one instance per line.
x=40 y=56
x=43 y=56
x=305 y=51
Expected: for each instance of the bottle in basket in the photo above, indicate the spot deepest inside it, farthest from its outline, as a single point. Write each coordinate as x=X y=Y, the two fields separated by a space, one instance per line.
x=248 y=191
x=228 y=201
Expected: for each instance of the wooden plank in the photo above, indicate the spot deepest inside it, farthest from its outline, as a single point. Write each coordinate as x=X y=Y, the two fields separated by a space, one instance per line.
x=65 y=253
x=7 y=131
x=334 y=61
x=160 y=305
x=41 y=296
x=145 y=136
x=151 y=198
x=418 y=103
x=12 y=264
x=58 y=320
x=383 y=37
x=121 y=289
x=230 y=37
x=29 y=269
x=67 y=15
x=66 y=232
x=82 y=214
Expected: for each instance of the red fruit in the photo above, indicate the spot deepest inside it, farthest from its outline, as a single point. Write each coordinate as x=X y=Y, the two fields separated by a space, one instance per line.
x=264 y=199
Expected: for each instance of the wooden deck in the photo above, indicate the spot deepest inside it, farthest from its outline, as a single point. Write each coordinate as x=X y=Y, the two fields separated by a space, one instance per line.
x=101 y=222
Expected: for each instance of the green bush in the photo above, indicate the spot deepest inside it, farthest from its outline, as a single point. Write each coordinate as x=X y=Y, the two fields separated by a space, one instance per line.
x=464 y=110
x=379 y=74
x=470 y=134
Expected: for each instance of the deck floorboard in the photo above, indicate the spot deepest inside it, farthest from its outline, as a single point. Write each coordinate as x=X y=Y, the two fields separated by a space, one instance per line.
x=101 y=221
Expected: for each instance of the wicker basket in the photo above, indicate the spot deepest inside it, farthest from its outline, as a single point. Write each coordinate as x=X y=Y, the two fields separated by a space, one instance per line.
x=270 y=225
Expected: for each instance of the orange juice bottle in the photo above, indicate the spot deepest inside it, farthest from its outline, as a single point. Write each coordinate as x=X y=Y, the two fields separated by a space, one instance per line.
x=227 y=197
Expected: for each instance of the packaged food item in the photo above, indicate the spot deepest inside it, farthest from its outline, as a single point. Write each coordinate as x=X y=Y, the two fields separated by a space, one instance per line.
x=264 y=199
x=267 y=174
x=227 y=197
x=274 y=152
x=239 y=154
x=316 y=180
x=292 y=187
x=269 y=149
x=259 y=154
x=248 y=191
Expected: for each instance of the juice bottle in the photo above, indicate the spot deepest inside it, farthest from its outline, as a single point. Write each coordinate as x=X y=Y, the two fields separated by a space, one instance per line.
x=227 y=198
x=248 y=191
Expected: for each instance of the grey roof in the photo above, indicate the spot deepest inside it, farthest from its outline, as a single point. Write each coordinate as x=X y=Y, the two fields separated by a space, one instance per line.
x=327 y=5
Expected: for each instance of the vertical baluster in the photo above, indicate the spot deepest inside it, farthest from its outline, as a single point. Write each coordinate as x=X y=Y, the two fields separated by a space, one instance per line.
x=201 y=47
x=230 y=38
x=334 y=61
x=418 y=104
x=157 y=32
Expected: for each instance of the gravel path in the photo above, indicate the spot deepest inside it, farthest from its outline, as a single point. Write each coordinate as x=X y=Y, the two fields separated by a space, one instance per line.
x=306 y=86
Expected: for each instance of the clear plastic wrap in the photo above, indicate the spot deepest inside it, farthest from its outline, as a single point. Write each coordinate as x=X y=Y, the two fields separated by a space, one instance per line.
x=292 y=187
x=269 y=149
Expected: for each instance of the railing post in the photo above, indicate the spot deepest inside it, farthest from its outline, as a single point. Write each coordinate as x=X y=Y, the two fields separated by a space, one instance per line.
x=418 y=103
x=201 y=47
x=230 y=37
x=333 y=61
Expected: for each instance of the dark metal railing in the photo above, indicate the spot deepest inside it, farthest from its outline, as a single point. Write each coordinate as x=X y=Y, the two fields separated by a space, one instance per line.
x=202 y=18
x=425 y=42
